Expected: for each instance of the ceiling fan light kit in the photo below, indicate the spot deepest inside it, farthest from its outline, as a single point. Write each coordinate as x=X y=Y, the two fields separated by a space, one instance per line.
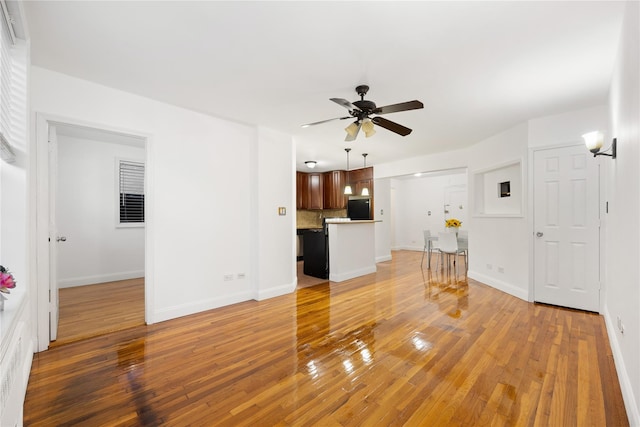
x=362 y=109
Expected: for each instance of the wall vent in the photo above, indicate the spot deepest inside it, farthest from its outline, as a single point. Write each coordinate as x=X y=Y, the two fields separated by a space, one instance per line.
x=9 y=369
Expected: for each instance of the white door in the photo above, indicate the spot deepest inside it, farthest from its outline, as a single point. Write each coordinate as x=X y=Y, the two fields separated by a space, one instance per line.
x=54 y=238
x=455 y=203
x=566 y=228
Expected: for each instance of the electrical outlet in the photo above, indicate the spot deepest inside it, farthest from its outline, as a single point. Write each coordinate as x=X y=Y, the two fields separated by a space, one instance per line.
x=228 y=277
x=500 y=269
x=489 y=267
x=241 y=276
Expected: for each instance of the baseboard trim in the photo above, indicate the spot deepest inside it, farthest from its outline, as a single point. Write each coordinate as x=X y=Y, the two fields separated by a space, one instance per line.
x=99 y=278
x=633 y=413
x=499 y=285
x=276 y=291
x=351 y=274
x=383 y=258
x=181 y=310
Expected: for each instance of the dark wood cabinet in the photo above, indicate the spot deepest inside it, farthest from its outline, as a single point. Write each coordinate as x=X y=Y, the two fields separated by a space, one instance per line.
x=316 y=194
x=334 y=183
x=302 y=190
x=326 y=190
x=309 y=190
x=361 y=178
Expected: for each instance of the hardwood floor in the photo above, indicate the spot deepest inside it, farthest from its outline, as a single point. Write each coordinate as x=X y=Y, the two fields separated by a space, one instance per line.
x=398 y=347
x=305 y=281
x=93 y=310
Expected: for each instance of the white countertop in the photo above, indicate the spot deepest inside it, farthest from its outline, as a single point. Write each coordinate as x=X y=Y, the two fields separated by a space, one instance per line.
x=355 y=221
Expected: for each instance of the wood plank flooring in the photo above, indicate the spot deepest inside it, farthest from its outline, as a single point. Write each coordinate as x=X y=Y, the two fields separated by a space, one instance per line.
x=92 y=310
x=398 y=347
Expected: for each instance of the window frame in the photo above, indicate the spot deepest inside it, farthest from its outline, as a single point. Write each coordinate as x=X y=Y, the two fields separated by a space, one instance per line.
x=118 y=162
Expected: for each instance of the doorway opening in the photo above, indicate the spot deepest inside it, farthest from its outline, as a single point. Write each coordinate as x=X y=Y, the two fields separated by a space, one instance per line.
x=96 y=275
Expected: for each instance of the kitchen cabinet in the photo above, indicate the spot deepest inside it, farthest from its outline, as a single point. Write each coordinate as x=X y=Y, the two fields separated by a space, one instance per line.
x=326 y=190
x=309 y=190
x=361 y=178
x=334 y=183
x=316 y=194
x=302 y=190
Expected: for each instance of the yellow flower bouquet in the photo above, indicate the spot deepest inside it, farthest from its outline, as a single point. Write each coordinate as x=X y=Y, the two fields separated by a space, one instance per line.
x=452 y=222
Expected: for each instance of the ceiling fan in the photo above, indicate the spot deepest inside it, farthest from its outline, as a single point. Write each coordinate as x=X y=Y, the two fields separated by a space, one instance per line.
x=362 y=110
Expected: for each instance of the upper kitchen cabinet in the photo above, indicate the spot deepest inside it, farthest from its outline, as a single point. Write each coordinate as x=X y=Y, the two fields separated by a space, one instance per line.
x=309 y=193
x=316 y=194
x=360 y=179
x=334 y=183
x=302 y=190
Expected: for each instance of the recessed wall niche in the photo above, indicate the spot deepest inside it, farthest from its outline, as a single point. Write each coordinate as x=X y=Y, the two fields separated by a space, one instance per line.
x=498 y=190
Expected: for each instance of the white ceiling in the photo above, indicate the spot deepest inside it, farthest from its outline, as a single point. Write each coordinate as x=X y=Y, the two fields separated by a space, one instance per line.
x=478 y=67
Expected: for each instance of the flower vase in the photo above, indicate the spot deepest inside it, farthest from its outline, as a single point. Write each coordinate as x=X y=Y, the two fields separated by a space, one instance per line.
x=2 y=298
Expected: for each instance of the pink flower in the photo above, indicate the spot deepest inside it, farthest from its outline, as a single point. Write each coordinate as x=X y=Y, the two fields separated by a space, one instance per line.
x=7 y=281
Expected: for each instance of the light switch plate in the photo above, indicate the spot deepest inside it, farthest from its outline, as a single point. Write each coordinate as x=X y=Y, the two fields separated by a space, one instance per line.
x=282 y=211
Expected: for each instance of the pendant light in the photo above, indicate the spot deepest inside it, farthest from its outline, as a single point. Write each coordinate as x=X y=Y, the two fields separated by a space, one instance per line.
x=347 y=188
x=365 y=190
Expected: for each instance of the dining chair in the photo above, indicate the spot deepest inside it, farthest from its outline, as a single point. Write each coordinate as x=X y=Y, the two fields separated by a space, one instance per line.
x=463 y=245
x=428 y=247
x=448 y=245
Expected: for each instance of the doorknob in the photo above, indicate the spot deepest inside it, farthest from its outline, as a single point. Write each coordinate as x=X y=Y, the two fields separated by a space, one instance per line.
x=539 y=234
x=61 y=239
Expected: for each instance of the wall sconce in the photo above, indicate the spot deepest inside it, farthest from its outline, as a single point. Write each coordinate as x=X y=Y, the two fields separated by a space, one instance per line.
x=593 y=141
x=310 y=164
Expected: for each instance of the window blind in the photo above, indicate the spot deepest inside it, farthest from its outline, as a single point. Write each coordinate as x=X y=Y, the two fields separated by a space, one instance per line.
x=131 y=178
x=13 y=86
x=5 y=77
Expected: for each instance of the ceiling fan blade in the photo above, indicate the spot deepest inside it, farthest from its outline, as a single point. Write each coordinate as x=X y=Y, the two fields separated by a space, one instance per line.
x=403 y=106
x=392 y=126
x=346 y=104
x=350 y=138
x=325 y=121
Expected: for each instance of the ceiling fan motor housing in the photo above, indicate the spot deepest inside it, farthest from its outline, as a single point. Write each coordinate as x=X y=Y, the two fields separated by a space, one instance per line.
x=362 y=90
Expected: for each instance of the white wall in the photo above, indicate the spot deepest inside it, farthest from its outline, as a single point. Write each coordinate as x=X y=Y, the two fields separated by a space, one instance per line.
x=499 y=246
x=415 y=198
x=275 y=236
x=197 y=164
x=622 y=275
x=383 y=213
x=96 y=250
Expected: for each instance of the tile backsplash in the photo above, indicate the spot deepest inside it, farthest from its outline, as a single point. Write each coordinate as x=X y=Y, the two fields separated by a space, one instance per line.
x=313 y=219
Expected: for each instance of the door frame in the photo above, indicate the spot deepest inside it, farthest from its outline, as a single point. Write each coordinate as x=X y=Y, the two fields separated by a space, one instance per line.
x=531 y=221
x=41 y=234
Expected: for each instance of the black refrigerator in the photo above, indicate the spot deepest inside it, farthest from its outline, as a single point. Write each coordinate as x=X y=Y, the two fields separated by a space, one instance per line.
x=316 y=253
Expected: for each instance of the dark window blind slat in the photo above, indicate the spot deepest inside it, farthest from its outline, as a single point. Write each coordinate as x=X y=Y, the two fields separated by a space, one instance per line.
x=131 y=192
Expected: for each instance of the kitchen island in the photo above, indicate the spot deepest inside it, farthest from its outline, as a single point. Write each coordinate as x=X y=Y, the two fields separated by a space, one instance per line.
x=352 y=249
